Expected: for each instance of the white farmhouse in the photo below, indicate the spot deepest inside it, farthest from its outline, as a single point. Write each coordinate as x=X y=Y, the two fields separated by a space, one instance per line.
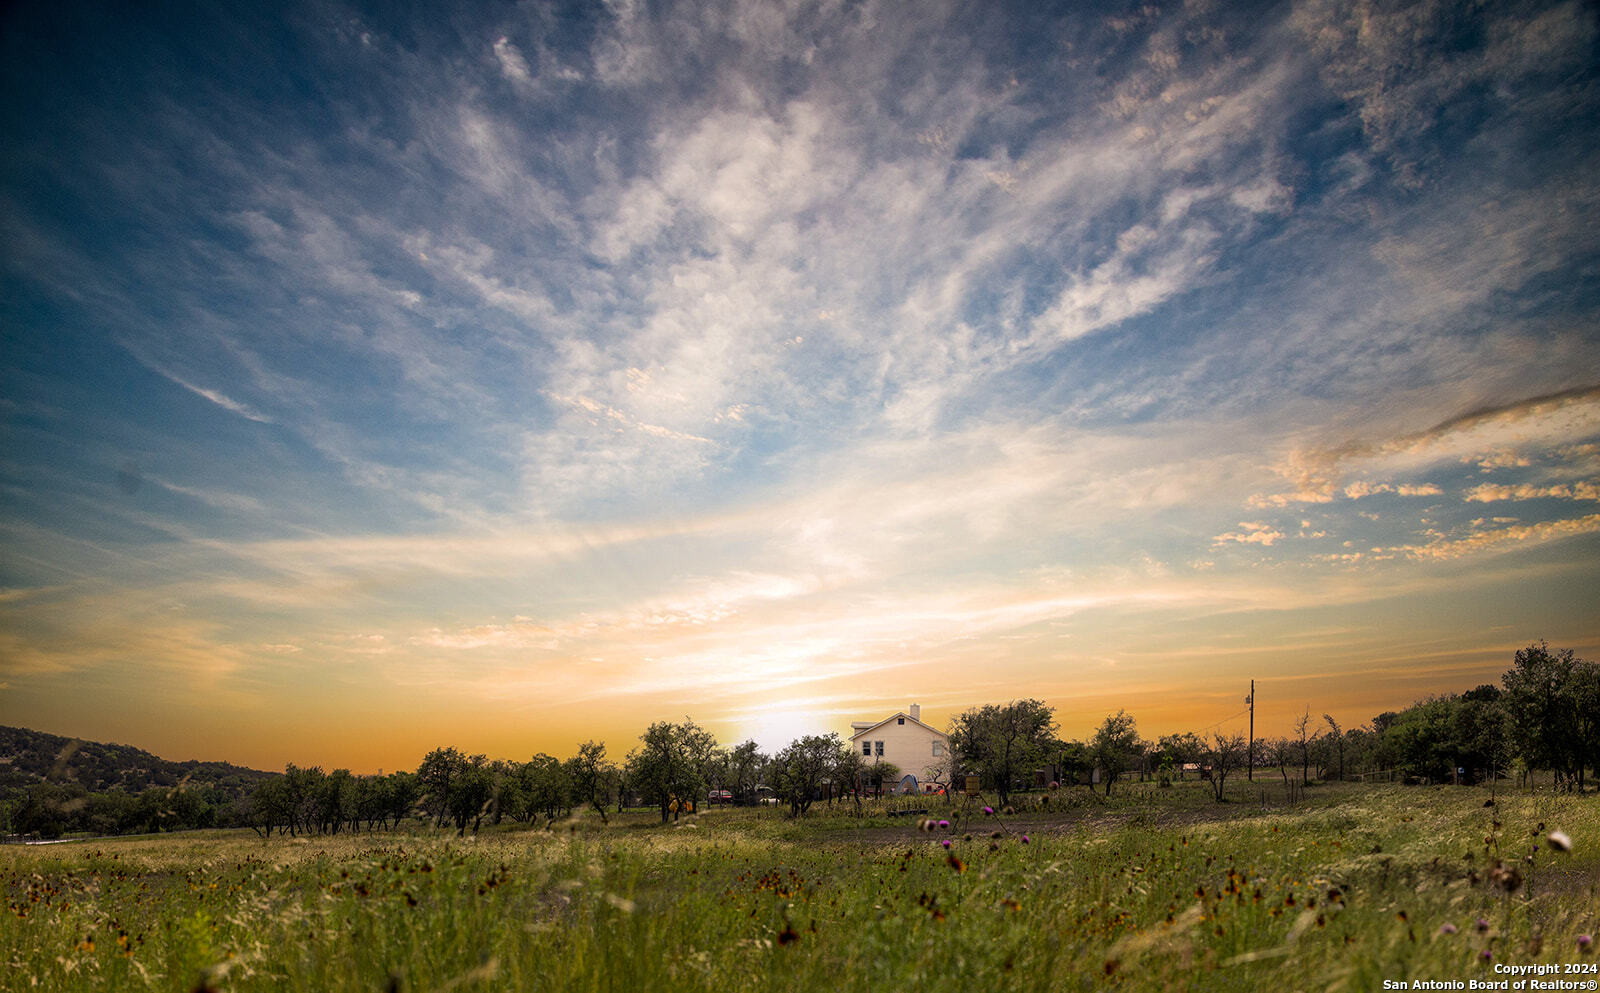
x=914 y=747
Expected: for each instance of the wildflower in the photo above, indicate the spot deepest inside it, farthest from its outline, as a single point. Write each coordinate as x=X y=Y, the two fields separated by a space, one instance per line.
x=944 y=825
x=788 y=935
x=1486 y=956
x=1447 y=928
x=1585 y=944
x=945 y=842
x=1482 y=925
x=1508 y=879
x=988 y=810
x=1024 y=839
x=956 y=864
x=1559 y=841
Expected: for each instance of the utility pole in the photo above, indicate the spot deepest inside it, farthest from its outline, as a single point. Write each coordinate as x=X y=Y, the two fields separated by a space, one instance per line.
x=1250 y=763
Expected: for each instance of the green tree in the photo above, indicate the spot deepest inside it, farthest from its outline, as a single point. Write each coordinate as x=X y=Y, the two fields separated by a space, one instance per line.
x=881 y=773
x=1072 y=758
x=402 y=790
x=548 y=785
x=303 y=788
x=1004 y=743
x=849 y=775
x=666 y=767
x=1335 y=738
x=799 y=771
x=745 y=763
x=469 y=794
x=1545 y=693
x=1181 y=749
x=589 y=772
x=1114 y=746
x=510 y=794
x=437 y=777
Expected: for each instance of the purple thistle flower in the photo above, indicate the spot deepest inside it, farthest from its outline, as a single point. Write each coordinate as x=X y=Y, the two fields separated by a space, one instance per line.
x=943 y=825
x=1585 y=944
x=988 y=810
x=1447 y=928
x=1024 y=839
x=945 y=842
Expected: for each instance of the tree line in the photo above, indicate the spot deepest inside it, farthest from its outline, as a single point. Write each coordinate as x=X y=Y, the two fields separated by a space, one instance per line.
x=1544 y=716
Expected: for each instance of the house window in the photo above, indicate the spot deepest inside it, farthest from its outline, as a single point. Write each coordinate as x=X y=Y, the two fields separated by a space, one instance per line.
x=938 y=749
x=880 y=749
x=866 y=748
x=901 y=721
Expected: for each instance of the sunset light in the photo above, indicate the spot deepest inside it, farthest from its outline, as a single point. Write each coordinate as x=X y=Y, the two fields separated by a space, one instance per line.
x=379 y=378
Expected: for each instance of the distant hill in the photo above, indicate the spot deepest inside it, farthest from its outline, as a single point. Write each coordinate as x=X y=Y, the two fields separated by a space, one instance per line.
x=28 y=757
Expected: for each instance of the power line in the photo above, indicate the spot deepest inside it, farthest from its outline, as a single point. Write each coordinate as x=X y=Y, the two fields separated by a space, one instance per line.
x=1225 y=720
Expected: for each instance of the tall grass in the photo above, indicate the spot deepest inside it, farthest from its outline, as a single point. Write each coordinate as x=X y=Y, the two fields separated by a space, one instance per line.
x=1381 y=883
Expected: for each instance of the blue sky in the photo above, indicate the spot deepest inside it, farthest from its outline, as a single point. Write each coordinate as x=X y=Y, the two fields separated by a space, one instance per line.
x=509 y=375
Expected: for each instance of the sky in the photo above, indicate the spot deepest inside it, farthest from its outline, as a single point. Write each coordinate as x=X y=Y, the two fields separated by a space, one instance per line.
x=382 y=377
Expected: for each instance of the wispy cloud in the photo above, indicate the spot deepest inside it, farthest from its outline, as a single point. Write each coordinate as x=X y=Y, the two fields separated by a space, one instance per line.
x=684 y=352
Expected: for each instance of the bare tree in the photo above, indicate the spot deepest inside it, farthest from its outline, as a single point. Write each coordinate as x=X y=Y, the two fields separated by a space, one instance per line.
x=1304 y=736
x=1281 y=752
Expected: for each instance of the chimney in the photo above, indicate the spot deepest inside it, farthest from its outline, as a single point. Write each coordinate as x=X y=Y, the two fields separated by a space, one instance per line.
x=916 y=711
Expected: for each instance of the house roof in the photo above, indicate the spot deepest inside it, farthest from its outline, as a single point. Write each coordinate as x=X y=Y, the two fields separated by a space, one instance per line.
x=863 y=728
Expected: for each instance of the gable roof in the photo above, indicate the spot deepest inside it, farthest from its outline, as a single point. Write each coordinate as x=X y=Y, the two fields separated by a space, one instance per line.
x=862 y=729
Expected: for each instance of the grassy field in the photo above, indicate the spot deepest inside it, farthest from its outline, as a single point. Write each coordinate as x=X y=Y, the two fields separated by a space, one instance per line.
x=1151 y=889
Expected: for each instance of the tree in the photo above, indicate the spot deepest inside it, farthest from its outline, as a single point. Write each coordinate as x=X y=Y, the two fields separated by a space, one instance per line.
x=437 y=775
x=745 y=763
x=1002 y=743
x=547 y=785
x=1482 y=732
x=270 y=807
x=335 y=801
x=470 y=792
x=1303 y=738
x=1545 y=694
x=666 y=767
x=1181 y=749
x=849 y=774
x=1113 y=746
x=1071 y=758
x=510 y=792
x=1225 y=752
x=1586 y=700
x=589 y=769
x=799 y=770
x=879 y=773
x=402 y=790
x=1336 y=736
x=1280 y=752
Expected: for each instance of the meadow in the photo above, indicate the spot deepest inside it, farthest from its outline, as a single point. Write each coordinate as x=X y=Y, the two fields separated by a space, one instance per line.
x=1149 y=889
